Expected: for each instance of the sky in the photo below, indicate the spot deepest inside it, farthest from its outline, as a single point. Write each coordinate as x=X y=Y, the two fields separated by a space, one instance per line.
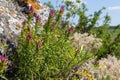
x=112 y=8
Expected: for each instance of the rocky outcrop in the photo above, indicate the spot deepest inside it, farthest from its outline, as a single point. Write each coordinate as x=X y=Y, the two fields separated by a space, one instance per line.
x=12 y=14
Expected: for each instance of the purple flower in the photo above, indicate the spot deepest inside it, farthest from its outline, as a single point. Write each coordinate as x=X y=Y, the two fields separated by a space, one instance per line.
x=62 y=8
x=38 y=18
x=70 y=29
x=38 y=44
x=29 y=36
x=52 y=12
x=3 y=59
x=24 y=22
x=31 y=9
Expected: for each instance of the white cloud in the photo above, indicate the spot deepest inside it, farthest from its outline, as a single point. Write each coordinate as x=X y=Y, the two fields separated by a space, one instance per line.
x=114 y=8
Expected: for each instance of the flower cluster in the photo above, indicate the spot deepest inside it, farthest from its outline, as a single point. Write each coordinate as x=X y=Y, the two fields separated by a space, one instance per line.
x=3 y=59
x=88 y=41
x=70 y=30
x=3 y=63
x=52 y=12
x=109 y=67
x=62 y=9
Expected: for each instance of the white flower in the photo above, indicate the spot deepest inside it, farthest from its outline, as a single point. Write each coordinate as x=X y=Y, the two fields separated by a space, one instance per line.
x=90 y=43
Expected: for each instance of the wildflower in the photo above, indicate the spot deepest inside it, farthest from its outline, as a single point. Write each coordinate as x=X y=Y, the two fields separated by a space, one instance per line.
x=38 y=18
x=90 y=42
x=3 y=63
x=70 y=30
x=29 y=36
x=62 y=9
x=87 y=74
x=31 y=9
x=3 y=59
x=24 y=22
x=38 y=44
x=52 y=12
x=60 y=13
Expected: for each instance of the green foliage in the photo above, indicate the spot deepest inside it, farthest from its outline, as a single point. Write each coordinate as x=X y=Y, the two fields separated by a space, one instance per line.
x=115 y=47
x=89 y=24
x=111 y=44
x=27 y=60
x=50 y=54
x=49 y=4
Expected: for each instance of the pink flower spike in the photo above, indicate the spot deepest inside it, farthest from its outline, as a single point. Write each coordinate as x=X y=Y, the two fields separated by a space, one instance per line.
x=38 y=18
x=3 y=59
x=24 y=22
x=29 y=37
x=70 y=29
x=38 y=44
x=62 y=8
x=31 y=9
x=52 y=12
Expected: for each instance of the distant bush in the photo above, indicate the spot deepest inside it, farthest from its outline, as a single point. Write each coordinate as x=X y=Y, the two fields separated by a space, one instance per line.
x=90 y=24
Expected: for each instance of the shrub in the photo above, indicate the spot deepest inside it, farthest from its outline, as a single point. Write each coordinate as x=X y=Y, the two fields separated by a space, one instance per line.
x=49 y=54
x=90 y=24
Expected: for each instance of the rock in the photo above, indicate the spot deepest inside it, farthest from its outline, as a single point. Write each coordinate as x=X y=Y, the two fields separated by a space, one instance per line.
x=10 y=18
x=12 y=15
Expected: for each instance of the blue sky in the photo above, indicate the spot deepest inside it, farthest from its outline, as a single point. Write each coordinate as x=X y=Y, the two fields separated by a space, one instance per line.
x=112 y=8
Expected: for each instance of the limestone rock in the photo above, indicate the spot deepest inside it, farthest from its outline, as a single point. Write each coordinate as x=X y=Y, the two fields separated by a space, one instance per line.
x=11 y=17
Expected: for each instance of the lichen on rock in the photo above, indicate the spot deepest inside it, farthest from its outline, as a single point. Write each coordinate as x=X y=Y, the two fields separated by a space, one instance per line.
x=12 y=16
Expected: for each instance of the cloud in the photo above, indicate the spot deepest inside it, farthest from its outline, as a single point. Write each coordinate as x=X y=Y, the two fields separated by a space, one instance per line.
x=114 y=8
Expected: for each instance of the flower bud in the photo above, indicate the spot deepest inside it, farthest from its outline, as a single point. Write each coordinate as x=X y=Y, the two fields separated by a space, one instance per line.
x=29 y=36
x=38 y=18
x=24 y=22
x=70 y=30
x=31 y=9
x=62 y=8
x=3 y=59
x=38 y=44
x=52 y=12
